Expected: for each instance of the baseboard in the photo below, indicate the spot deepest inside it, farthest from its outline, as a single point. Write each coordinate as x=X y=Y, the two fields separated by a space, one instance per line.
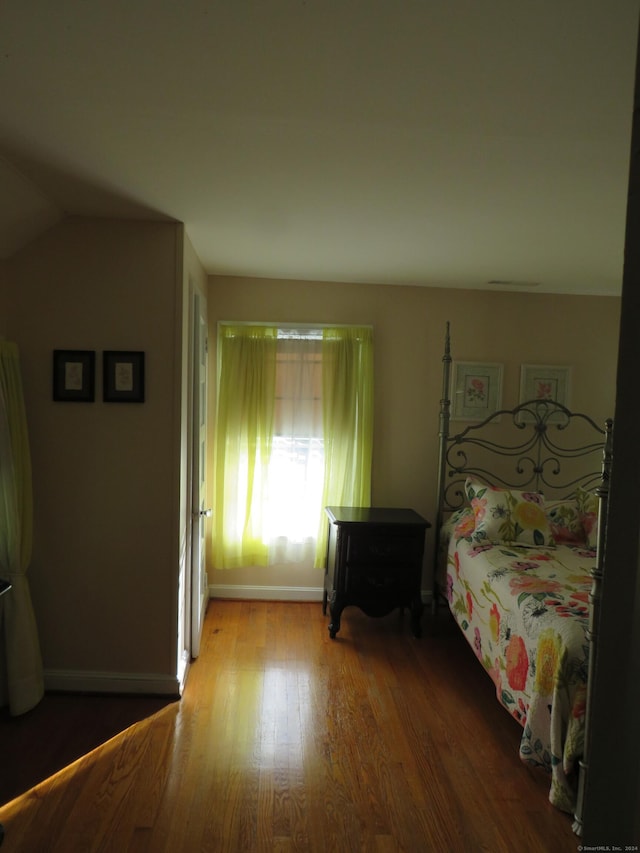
x=278 y=593
x=427 y=596
x=265 y=593
x=183 y=671
x=78 y=681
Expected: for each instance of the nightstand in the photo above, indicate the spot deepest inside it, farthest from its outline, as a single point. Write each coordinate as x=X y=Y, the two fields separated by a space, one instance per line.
x=374 y=561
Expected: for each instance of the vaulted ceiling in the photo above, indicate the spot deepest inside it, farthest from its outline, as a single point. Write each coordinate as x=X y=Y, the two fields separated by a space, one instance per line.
x=425 y=142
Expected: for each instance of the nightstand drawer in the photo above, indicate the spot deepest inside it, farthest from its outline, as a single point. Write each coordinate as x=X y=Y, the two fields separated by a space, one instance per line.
x=371 y=579
x=381 y=548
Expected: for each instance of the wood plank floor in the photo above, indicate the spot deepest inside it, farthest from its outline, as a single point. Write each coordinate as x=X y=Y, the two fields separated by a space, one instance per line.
x=285 y=740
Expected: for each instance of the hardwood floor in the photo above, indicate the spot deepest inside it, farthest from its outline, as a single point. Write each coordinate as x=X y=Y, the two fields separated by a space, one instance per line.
x=285 y=740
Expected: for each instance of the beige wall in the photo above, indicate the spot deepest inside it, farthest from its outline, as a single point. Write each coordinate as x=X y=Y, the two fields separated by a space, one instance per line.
x=104 y=574
x=109 y=480
x=409 y=327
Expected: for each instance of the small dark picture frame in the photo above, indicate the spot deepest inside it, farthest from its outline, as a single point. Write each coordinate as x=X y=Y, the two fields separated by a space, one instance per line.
x=74 y=375
x=123 y=376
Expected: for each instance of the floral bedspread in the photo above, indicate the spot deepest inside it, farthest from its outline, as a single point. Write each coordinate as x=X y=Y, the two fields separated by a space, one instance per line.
x=524 y=611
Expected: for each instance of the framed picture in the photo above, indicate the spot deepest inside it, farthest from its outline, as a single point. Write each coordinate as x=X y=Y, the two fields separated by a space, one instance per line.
x=545 y=382
x=123 y=376
x=477 y=390
x=74 y=375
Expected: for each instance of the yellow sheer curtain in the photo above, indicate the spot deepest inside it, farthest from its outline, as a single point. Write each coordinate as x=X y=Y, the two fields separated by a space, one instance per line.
x=347 y=392
x=246 y=402
x=20 y=649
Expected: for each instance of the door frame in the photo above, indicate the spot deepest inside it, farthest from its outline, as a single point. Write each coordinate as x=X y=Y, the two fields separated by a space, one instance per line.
x=196 y=605
x=194 y=305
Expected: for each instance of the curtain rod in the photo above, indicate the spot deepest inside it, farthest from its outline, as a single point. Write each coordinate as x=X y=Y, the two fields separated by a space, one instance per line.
x=295 y=325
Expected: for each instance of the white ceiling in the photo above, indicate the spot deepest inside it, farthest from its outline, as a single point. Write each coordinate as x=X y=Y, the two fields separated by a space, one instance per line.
x=423 y=142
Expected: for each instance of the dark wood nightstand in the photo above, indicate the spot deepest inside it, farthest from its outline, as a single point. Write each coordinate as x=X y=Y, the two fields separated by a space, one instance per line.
x=374 y=561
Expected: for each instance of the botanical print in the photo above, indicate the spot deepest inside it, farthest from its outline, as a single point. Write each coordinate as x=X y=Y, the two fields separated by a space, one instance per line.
x=545 y=382
x=73 y=376
x=476 y=392
x=123 y=376
x=545 y=388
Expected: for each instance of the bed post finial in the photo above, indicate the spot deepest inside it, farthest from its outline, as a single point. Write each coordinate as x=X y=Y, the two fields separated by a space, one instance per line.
x=445 y=402
x=447 y=343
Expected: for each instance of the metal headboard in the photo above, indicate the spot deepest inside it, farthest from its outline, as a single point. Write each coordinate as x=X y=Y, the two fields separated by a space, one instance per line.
x=534 y=444
x=539 y=445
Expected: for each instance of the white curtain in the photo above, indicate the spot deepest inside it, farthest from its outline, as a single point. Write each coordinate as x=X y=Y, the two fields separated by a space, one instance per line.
x=293 y=502
x=22 y=683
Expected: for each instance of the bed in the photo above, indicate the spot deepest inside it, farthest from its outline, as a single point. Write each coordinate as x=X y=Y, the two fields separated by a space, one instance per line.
x=519 y=560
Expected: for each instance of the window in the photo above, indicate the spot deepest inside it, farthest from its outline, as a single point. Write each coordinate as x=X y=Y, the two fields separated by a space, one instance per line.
x=294 y=433
x=296 y=467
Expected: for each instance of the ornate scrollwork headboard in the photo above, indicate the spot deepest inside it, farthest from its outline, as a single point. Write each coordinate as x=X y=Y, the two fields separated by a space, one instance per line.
x=539 y=445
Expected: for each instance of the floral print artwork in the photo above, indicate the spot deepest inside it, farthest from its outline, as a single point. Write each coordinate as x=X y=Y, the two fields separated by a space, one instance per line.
x=524 y=612
x=476 y=391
